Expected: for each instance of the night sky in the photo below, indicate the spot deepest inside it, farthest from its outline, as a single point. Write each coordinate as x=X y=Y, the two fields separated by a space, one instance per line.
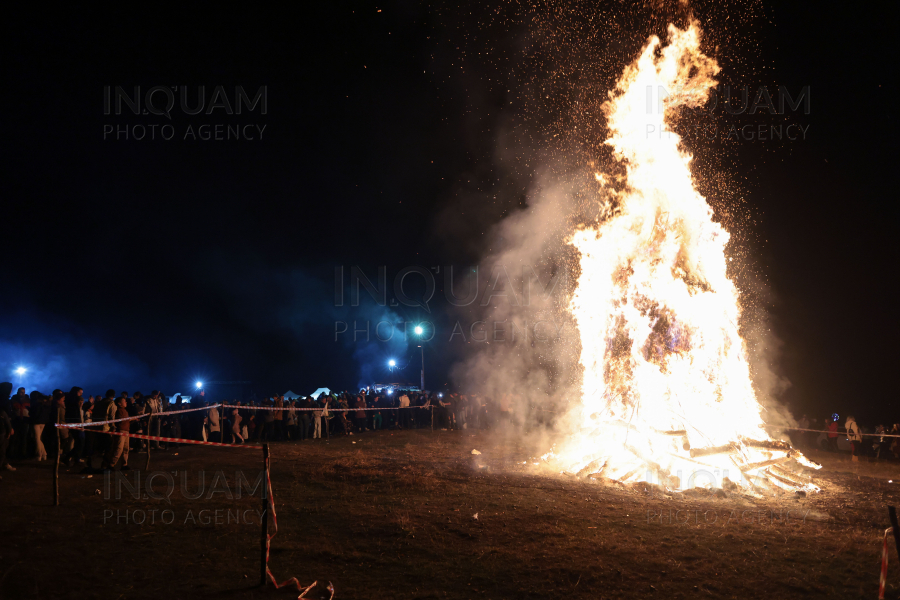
x=142 y=264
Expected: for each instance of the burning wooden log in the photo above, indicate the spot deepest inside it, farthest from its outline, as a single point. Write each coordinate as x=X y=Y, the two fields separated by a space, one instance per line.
x=624 y=478
x=767 y=463
x=653 y=465
x=726 y=449
x=595 y=466
x=672 y=433
x=810 y=464
x=767 y=444
x=696 y=462
x=783 y=478
x=788 y=476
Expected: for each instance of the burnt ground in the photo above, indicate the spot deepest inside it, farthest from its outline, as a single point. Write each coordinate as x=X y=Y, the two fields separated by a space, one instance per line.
x=393 y=516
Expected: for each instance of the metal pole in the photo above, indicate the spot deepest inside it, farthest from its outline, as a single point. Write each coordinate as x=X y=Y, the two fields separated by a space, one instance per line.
x=264 y=542
x=422 y=347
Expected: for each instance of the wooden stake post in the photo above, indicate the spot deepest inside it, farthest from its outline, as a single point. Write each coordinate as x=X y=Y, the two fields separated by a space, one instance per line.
x=56 y=466
x=149 y=442
x=264 y=519
x=892 y=513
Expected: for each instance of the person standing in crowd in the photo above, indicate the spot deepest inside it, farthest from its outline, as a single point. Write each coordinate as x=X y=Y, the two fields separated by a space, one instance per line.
x=6 y=426
x=119 y=447
x=328 y=415
x=437 y=409
x=40 y=416
x=73 y=405
x=426 y=412
x=87 y=416
x=278 y=416
x=854 y=437
x=176 y=420
x=441 y=414
x=194 y=421
x=403 y=422
x=317 y=419
x=21 y=421
x=290 y=419
x=342 y=417
x=832 y=435
x=88 y=407
x=133 y=409
x=104 y=410
x=268 y=417
x=58 y=406
x=303 y=418
x=360 y=414
x=165 y=421
x=153 y=407
x=236 y=426
x=462 y=411
x=246 y=421
x=878 y=445
x=215 y=428
x=376 y=403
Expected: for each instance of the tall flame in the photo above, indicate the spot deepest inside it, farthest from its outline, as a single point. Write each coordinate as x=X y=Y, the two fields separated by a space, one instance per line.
x=667 y=386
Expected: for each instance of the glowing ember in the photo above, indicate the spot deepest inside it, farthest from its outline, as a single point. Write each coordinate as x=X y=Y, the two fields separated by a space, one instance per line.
x=667 y=387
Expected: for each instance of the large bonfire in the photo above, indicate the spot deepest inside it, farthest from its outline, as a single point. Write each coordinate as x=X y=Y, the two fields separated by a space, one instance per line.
x=667 y=392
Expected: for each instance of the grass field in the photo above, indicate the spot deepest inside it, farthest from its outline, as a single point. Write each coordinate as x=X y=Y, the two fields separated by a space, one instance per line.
x=393 y=515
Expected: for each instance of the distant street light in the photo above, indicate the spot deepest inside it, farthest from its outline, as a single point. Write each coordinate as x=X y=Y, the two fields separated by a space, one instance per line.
x=419 y=331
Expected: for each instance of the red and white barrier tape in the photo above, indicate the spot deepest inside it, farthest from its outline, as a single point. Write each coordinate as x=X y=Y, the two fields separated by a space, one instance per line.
x=178 y=440
x=837 y=433
x=140 y=416
x=331 y=410
x=884 y=563
x=270 y=536
x=271 y=497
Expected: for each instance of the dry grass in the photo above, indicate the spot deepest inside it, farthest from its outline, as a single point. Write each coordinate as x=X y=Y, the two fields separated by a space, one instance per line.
x=393 y=516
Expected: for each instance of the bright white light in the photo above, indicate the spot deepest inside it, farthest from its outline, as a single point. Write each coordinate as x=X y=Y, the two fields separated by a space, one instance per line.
x=21 y=371
x=389 y=392
x=440 y=395
x=418 y=330
x=392 y=363
x=199 y=385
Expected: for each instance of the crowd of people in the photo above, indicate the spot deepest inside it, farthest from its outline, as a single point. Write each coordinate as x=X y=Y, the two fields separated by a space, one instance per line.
x=826 y=435
x=27 y=419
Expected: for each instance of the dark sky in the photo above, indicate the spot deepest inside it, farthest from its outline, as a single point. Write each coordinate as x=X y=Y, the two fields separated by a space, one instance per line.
x=153 y=263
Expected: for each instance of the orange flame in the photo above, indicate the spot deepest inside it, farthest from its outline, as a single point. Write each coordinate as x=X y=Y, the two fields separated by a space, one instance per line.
x=667 y=386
